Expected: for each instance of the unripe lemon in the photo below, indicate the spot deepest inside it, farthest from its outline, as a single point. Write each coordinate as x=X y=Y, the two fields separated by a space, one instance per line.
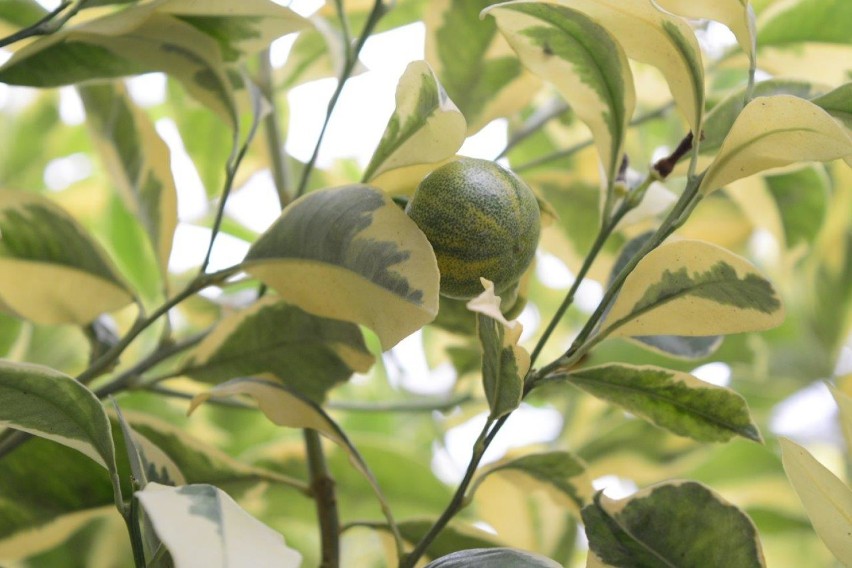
x=481 y=220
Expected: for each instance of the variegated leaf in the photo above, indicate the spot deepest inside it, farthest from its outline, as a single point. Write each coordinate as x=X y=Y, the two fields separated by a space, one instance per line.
x=693 y=288
x=587 y=66
x=61 y=273
x=350 y=253
x=426 y=126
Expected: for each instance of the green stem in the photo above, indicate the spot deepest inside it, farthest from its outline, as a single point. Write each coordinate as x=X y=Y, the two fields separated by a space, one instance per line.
x=129 y=378
x=230 y=173
x=676 y=217
x=131 y=518
x=458 y=500
x=535 y=123
x=272 y=130
x=142 y=323
x=322 y=487
x=651 y=115
x=351 y=60
x=50 y=23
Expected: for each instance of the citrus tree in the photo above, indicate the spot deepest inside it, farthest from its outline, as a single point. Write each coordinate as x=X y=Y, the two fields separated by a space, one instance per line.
x=252 y=414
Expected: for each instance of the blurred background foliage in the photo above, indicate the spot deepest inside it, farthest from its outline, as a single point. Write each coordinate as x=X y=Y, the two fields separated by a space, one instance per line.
x=408 y=415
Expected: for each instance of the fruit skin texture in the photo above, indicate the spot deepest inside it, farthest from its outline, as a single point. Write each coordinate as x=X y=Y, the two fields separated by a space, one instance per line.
x=481 y=220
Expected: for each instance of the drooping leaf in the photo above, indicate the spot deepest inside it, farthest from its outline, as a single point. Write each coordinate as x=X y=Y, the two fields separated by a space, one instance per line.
x=672 y=400
x=291 y=409
x=562 y=474
x=350 y=253
x=129 y=42
x=202 y=526
x=504 y=362
x=309 y=353
x=61 y=274
x=721 y=118
x=735 y=14
x=240 y=29
x=673 y=524
x=481 y=75
x=776 y=131
x=827 y=500
x=657 y=38
x=693 y=288
x=587 y=66
x=493 y=558
x=138 y=161
x=52 y=405
x=426 y=126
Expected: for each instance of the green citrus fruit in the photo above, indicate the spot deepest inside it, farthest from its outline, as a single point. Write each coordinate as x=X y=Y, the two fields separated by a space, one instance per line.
x=481 y=220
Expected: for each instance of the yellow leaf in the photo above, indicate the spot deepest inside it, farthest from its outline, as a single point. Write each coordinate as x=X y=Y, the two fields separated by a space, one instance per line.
x=827 y=500
x=776 y=131
x=735 y=14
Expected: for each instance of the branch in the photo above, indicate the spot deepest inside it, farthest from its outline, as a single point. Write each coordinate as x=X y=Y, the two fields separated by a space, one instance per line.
x=322 y=487
x=49 y=24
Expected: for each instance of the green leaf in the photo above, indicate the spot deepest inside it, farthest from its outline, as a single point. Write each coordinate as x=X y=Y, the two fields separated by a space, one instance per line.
x=673 y=524
x=133 y=41
x=504 y=362
x=202 y=526
x=735 y=14
x=493 y=558
x=657 y=38
x=52 y=405
x=481 y=75
x=138 y=161
x=308 y=353
x=776 y=131
x=562 y=474
x=425 y=127
x=587 y=66
x=827 y=500
x=801 y=199
x=824 y=21
x=240 y=29
x=61 y=274
x=48 y=492
x=693 y=288
x=351 y=253
x=838 y=103
x=672 y=400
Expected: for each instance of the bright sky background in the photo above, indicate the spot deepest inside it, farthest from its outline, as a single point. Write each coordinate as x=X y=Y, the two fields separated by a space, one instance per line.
x=354 y=132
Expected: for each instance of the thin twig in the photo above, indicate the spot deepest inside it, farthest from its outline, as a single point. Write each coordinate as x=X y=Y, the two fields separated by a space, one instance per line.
x=651 y=115
x=272 y=130
x=50 y=23
x=376 y=14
